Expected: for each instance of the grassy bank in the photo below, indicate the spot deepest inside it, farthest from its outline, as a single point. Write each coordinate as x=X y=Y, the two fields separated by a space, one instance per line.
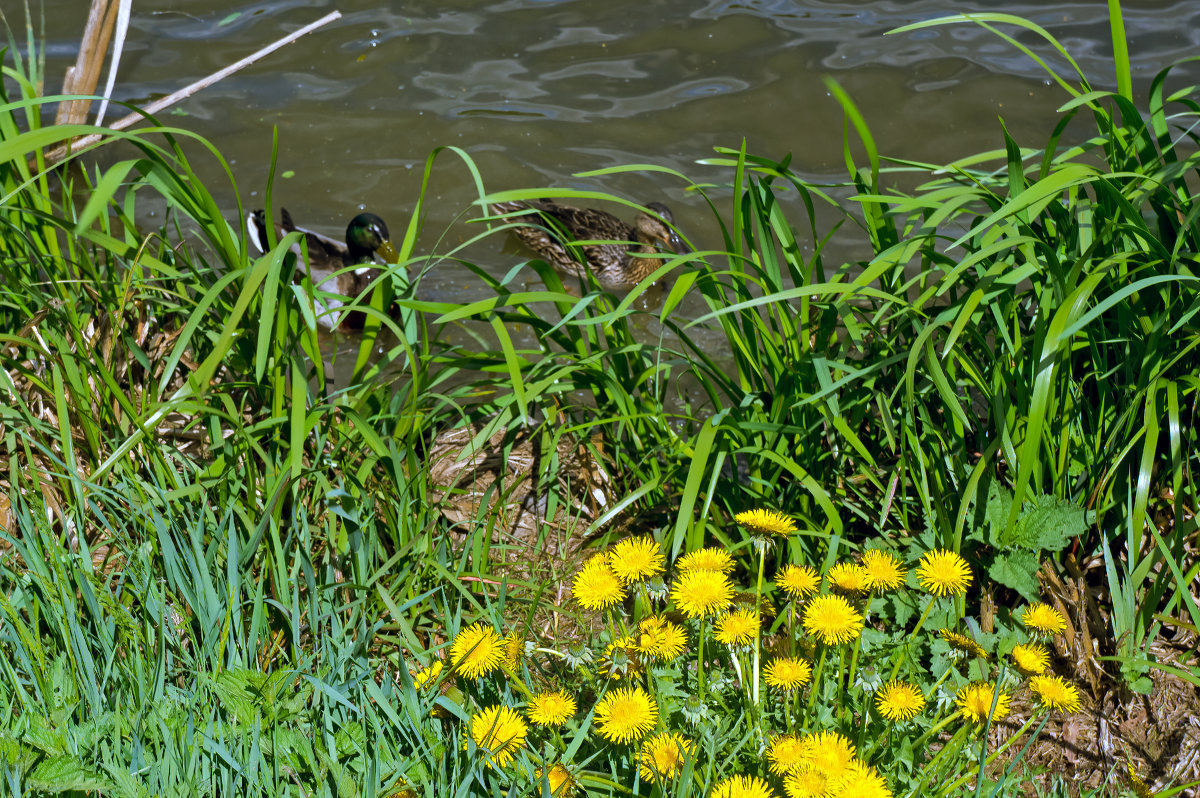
x=223 y=575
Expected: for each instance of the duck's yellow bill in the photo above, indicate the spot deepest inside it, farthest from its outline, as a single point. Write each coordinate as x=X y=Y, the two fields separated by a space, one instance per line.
x=388 y=252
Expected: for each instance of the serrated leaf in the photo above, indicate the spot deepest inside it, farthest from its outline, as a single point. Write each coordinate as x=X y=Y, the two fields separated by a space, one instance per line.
x=1017 y=569
x=1048 y=524
x=903 y=607
x=233 y=689
x=63 y=774
x=1143 y=685
x=903 y=756
x=871 y=639
x=124 y=784
x=40 y=736
x=349 y=738
x=999 y=502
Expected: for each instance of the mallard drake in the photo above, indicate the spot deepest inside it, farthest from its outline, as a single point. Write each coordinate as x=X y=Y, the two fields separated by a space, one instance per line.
x=335 y=267
x=616 y=265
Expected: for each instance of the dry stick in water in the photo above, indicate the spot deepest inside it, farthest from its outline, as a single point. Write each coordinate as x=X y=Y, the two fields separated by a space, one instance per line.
x=59 y=153
x=83 y=77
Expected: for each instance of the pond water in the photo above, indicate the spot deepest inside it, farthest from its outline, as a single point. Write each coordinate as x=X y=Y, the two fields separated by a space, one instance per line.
x=538 y=90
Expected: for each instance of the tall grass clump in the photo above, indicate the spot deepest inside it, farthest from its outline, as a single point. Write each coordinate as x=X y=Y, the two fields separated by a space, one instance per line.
x=195 y=557
x=822 y=557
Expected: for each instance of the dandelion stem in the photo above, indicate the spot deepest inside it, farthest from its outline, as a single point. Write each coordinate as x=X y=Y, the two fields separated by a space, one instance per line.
x=941 y=679
x=791 y=622
x=920 y=744
x=912 y=636
x=812 y=698
x=1000 y=750
x=762 y=556
x=517 y=683
x=754 y=710
x=953 y=744
x=700 y=659
x=841 y=691
x=858 y=642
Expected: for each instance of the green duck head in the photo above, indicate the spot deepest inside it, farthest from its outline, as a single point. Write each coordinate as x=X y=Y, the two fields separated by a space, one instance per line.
x=367 y=235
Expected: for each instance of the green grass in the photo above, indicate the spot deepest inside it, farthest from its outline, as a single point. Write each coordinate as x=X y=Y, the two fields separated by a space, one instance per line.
x=218 y=571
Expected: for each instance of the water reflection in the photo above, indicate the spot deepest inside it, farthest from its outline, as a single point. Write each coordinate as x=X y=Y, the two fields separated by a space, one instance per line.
x=537 y=92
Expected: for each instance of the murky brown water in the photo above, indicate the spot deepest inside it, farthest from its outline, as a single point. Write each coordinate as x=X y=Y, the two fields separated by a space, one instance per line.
x=538 y=91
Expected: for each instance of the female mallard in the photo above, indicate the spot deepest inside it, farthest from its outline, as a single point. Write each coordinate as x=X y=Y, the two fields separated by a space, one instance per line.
x=616 y=264
x=335 y=267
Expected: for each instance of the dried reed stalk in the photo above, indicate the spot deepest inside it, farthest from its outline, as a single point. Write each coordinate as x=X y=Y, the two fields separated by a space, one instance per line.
x=85 y=75
x=59 y=153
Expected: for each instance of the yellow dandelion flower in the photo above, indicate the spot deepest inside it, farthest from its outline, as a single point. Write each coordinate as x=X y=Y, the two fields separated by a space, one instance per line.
x=700 y=593
x=831 y=753
x=513 y=648
x=1055 y=693
x=499 y=733
x=899 y=700
x=635 y=559
x=660 y=639
x=710 y=559
x=551 y=708
x=847 y=578
x=798 y=581
x=626 y=715
x=943 y=573
x=1139 y=787
x=788 y=673
x=963 y=643
x=788 y=753
x=621 y=658
x=427 y=676
x=663 y=757
x=597 y=586
x=1044 y=619
x=737 y=628
x=562 y=783
x=1031 y=659
x=477 y=651
x=766 y=523
x=975 y=702
x=742 y=786
x=806 y=782
x=860 y=780
x=884 y=570
x=831 y=619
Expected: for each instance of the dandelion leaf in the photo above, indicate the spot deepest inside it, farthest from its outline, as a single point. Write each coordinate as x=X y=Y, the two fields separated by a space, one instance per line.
x=345 y=779
x=872 y=639
x=233 y=688
x=349 y=738
x=1017 y=569
x=1048 y=524
x=1045 y=523
x=903 y=756
x=59 y=774
x=124 y=784
x=999 y=502
x=903 y=607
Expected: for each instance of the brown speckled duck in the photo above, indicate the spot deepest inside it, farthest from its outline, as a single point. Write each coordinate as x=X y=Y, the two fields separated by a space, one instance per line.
x=336 y=267
x=615 y=264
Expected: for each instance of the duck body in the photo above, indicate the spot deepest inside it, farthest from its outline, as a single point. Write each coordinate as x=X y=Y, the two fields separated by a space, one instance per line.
x=337 y=269
x=618 y=262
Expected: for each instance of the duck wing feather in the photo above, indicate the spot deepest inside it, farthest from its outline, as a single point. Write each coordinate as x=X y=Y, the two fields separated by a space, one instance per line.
x=560 y=226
